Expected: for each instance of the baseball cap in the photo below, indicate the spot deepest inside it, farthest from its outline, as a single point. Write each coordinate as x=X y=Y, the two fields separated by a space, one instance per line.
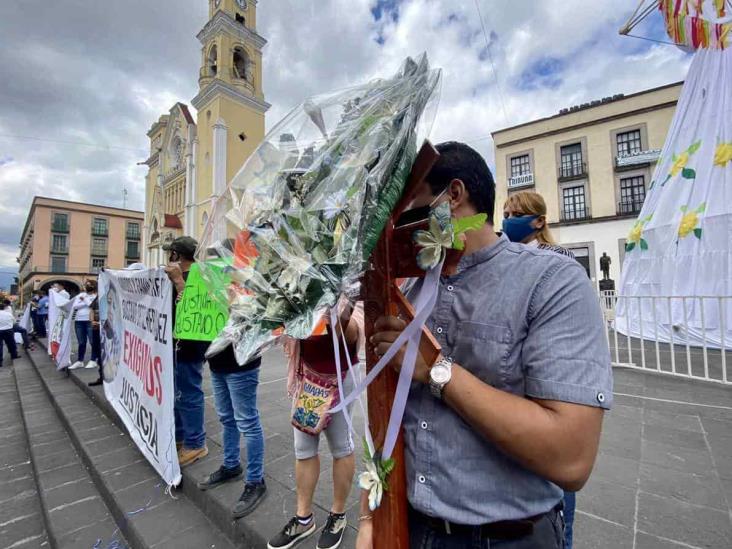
x=184 y=245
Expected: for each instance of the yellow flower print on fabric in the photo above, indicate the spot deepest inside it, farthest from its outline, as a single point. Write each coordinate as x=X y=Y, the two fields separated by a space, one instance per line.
x=723 y=154
x=679 y=163
x=690 y=221
x=635 y=236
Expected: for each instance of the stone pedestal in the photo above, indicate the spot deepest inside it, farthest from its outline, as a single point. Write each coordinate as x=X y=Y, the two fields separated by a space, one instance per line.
x=607 y=285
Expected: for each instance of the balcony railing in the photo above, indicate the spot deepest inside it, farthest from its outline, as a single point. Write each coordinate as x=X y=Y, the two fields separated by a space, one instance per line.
x=572 y=171
x=133 y=234
x=98 y=251
x=630 y=207
x=59 y=250
x=574 y=214
x=60 y=227
x=100 y=231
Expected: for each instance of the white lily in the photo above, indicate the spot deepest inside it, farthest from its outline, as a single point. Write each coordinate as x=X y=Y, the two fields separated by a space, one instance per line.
x=335 y=204
x=433 y=242
x=369 y=480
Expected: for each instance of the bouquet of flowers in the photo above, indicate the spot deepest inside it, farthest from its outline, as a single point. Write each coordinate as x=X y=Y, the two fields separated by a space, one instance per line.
x=298 y=223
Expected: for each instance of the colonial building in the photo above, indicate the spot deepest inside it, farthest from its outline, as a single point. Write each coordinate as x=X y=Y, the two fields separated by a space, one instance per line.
x=192 y=159
x=68 y=242
x=593 y=164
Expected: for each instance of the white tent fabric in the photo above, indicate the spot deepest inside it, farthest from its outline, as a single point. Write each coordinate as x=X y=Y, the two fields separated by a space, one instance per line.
x=680 y=244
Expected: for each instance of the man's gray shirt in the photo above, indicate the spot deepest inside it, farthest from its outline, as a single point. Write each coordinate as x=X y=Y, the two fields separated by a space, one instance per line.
x=525 y=321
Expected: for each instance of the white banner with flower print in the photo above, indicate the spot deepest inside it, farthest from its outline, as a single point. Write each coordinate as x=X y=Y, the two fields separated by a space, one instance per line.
x=681 y=243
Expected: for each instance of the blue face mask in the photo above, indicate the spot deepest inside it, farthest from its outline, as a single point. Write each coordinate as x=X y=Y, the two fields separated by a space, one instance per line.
x=518 y=228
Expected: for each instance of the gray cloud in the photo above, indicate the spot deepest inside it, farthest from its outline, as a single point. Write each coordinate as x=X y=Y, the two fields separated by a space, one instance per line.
x=80 y=71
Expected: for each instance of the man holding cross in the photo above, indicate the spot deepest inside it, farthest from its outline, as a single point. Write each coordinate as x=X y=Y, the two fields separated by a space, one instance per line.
x=509 y=415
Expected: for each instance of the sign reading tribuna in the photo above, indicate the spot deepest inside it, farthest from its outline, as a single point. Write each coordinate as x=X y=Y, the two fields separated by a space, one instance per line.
x=198 y=316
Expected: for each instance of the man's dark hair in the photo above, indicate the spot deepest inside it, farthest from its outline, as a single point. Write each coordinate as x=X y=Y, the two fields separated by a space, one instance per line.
x=458 y=161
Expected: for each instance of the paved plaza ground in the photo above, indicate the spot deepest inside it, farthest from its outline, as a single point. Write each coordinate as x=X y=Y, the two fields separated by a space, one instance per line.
x=663 y=477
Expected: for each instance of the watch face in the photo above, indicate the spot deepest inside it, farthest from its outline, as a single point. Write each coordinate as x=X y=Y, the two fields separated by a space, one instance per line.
x=440 y=374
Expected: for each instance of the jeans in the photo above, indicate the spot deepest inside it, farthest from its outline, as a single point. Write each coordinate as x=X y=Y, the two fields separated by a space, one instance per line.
x=84 y=335
x=96 y=345
x=41 y=321
x=8 y=337
x=24 y=334
x=569 y=504
x=548 y=534
x=188 y=410
x=235 y=396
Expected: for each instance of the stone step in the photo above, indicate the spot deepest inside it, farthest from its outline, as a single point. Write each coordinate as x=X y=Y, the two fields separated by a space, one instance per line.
x=129 y=486
x=21 y=515
x=74 y=513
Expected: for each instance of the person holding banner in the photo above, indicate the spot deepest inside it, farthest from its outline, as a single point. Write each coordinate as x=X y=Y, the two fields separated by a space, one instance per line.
x=313 y=385
x=510 y=413
x=83 y=326
x=42 y=314
x=190 y=434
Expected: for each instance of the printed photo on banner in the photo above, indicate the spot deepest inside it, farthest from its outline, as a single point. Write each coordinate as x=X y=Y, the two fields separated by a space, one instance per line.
x=135 y=311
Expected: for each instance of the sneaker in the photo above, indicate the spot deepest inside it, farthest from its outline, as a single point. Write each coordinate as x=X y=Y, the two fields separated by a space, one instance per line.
x=332 y=533
x=293 y=532
x=76 y=365
x=96 y=383
x=91 y=364
x=221 y=476
x=250 y=498
x=186 y=456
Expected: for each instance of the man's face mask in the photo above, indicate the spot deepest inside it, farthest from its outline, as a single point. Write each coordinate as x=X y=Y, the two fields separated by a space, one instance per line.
x=519 y=228
x=420 y=213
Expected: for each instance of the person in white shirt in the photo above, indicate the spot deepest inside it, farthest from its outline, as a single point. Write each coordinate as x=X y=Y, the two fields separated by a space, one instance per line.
x=7 y=321
x=83 y=325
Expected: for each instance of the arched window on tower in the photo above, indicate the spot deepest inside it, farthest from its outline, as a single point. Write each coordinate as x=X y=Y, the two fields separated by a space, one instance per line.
x=213 y=57
x=243 y=66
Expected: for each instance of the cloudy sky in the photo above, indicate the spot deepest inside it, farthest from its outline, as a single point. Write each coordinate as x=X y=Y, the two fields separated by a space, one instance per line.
x=83 y=80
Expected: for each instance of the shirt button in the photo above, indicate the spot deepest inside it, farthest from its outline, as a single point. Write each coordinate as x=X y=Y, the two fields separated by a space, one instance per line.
x=600 y=397
x=439 y=330
x=423 y=425
x=450 y=288
x=421 y=479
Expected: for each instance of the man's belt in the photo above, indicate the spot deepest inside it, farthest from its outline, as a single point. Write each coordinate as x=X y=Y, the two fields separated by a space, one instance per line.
x=500 y=530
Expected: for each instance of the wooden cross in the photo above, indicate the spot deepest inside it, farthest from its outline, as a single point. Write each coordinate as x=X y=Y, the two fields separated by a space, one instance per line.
x=394 y=258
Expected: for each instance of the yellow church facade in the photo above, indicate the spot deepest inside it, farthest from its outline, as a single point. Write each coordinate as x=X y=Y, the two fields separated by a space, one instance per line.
x=192 y=160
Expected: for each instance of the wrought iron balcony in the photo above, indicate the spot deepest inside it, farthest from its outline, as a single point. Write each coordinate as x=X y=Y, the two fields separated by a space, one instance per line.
x=133 y=234
x=630 y=207
x=574 y=170
x=59 y=227
x=100 y=231
x=633 y=160
x=574 y=214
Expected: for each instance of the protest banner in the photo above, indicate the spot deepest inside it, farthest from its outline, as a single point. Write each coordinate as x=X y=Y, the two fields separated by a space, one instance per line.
x=137 y=361
x=59 y=331
x=198 y=316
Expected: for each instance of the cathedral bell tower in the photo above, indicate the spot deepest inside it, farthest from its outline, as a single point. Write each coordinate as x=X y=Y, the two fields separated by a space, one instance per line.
x=230 y=100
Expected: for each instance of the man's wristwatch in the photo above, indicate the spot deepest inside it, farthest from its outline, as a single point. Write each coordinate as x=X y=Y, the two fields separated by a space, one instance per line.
x=440 y=375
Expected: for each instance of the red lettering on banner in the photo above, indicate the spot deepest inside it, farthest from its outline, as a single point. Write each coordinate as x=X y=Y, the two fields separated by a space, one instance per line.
x=145 y=367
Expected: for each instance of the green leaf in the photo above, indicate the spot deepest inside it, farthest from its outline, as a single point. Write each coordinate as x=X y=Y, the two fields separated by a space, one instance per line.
x=702 y=207
x=388 y=465
x=666 y=180
x=698 y=233
x=643 y=244
x=367 y=455
x=688 y=173
x=629 y=246
x=694 y=147
x=653 y=183
x=464 y=224
x=684 y=209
